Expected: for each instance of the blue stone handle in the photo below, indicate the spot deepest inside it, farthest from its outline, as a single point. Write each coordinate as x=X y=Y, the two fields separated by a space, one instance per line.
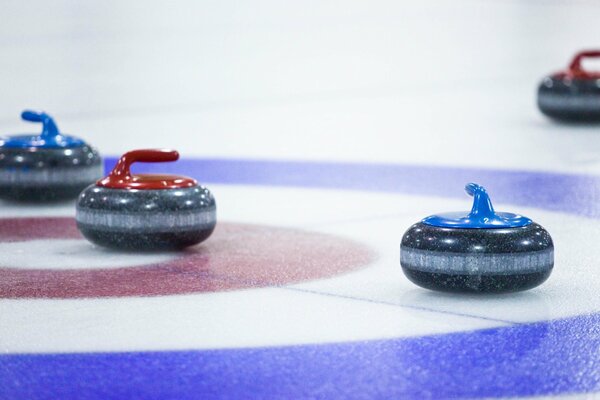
x=49 y=130
x=482 y=205
x=482 y=215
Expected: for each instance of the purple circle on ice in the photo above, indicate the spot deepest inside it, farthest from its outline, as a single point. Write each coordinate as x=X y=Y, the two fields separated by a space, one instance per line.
x=524 y=359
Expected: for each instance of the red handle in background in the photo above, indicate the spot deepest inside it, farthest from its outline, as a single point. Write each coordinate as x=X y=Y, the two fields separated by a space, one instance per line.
x=577 y=70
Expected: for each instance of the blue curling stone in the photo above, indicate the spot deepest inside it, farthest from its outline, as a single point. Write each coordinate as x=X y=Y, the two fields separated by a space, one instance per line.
x=46 y=166
x=477 y=251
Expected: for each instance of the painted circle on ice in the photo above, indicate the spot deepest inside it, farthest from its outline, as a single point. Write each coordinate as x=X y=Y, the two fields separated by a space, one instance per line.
x=65 y=254
x=526 y=359
x=269 y=256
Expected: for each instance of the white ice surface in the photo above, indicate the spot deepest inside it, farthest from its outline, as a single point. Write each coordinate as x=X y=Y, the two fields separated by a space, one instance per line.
x=353 y=80
x=63 y=254
x=374 y=302
x=439 y=82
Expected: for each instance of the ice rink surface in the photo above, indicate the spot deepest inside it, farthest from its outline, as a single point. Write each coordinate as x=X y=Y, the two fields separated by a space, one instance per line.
x=324 y=129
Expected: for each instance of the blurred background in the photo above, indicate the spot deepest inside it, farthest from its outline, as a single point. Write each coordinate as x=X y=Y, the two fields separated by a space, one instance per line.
x=433 y=82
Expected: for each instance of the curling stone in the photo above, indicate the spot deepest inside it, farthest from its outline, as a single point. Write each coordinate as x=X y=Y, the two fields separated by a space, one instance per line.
x=480 y=251
x=145 y=211
x=47 y=166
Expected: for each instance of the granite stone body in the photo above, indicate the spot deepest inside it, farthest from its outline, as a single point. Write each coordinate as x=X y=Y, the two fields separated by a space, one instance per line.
x=46 y=174
x=146 y=219
x=477 y=260
x=570 y=99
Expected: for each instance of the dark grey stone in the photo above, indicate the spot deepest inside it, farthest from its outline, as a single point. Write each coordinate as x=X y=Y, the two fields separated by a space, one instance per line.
x=576 y=100
x=46 y=174
x=477 y=260
x=146 y=219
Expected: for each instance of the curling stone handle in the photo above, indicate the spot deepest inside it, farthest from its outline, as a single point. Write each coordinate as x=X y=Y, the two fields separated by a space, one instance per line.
x=575 y=66
x=49 y=127
x=482 y=205
x=122 y=169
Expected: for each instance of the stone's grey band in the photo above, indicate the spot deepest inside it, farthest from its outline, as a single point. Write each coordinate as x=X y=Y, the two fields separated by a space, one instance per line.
x=146 y=218
x=148 y=201
x=148 y=221
x=575 y=102
x=59 y=175
x=46 y=158
x=476 y=264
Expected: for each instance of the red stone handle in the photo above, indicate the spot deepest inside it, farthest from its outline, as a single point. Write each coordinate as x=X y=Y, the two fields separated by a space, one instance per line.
x=121 y=178
x=122 y=169
x=576 y=67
